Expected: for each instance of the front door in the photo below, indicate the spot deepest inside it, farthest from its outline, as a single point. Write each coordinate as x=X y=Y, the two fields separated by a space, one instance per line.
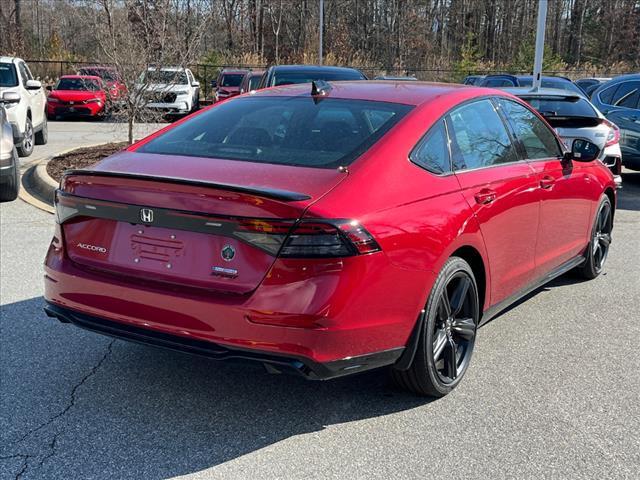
x=564 y=189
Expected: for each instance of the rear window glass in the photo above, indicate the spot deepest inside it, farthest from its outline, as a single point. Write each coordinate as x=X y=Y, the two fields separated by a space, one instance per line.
x=289 y=78
x=282 y=130
x=78 y=84
x=561 y=106
x=8 y=76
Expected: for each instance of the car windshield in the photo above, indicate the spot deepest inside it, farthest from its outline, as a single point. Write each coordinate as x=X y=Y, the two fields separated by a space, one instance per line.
x=562 y=106
x=298 y=131
x=8 y=77
x=231 y=79
x=165 y=77
x=104 y=73
x=254 y=82
x=289 y=78
x=78 y=84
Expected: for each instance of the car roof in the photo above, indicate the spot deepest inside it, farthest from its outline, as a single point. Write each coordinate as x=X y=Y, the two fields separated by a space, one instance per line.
x=83 y=77
x=8 y=59
x=312 y=68
x=540 y=92
x=96 y=67
x=167 y=69
x=408 y=93
x=234 y=72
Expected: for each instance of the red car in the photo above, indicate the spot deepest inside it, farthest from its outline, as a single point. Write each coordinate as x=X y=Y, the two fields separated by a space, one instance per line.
x=77 y=95
x=228 y=84
x=330 y=229
x=115 y=87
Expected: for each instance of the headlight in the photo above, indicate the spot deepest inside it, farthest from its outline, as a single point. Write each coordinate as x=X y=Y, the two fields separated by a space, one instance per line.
x=94 y=100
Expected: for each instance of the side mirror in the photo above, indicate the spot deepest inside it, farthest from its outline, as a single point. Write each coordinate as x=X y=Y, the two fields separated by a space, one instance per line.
x=33 y=85
x=49 y=88
x=214 y=84
x=195 y=84
x=10 y=97
x=584 y=151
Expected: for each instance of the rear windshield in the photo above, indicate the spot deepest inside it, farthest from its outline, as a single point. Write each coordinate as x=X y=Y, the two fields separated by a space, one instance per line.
x=562 y=106
x=231 y=79
x=78 y=84
x=282 y=130
x=8 y=77
x=558 y=83
x=288 y=78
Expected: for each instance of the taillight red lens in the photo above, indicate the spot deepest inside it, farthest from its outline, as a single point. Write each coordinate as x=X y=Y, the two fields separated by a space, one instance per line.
x=613 y=136
x=337 y=238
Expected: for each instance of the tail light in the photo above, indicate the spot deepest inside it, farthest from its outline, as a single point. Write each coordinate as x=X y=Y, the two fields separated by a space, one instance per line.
x=341 y=238
x=308 y=238
x=613 y=136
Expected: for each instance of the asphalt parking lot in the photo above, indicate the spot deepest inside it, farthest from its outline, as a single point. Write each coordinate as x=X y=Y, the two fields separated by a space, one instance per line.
x=552 y=392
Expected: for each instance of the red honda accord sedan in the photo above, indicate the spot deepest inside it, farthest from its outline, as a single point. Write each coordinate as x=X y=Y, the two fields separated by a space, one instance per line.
x=329 y=229
x=77 y=95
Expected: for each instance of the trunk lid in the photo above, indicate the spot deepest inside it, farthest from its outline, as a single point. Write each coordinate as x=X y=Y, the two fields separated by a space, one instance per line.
x=185 y=221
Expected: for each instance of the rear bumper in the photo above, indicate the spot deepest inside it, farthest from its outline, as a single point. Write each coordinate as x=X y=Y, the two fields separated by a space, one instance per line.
x=322 y=313
x=279 y=363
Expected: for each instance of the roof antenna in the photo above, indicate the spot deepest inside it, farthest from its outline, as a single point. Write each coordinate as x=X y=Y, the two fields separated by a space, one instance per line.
x=320 y=87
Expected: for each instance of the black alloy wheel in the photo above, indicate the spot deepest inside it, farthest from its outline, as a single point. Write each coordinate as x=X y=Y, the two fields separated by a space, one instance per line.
x=449 y=322
x=598 y=249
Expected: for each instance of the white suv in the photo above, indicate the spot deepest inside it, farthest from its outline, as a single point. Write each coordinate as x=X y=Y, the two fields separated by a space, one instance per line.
x=27 y=116
x=170 y=90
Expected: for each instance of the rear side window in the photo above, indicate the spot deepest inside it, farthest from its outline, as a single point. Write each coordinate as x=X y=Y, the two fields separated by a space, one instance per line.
x=479 y=137
x=607 y=94
x=627 y=95
x=432 y=152
x=282 y=130
x=536 y=138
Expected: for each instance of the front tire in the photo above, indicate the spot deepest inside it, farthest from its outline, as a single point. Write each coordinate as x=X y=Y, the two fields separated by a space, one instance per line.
x=598 y=249
x=447 y=338
x=26 y=146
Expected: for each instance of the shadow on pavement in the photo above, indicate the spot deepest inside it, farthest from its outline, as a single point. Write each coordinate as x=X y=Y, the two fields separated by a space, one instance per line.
x=144 y=412
x=629 y=195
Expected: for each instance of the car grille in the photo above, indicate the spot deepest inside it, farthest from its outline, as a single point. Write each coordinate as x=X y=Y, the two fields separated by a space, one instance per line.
x=161 y=97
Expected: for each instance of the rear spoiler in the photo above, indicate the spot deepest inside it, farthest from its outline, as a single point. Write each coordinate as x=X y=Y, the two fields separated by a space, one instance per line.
x=265 y=192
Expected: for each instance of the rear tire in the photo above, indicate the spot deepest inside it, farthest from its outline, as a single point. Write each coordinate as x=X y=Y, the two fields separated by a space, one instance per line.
x=448 y=332
x=9 y=190
x=42 y=137
x=598 y=248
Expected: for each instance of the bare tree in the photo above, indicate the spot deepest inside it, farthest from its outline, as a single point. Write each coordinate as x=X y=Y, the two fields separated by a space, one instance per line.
x=134 y=36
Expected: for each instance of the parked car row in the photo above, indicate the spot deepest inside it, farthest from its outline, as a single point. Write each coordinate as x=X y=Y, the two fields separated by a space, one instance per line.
x=614 y=102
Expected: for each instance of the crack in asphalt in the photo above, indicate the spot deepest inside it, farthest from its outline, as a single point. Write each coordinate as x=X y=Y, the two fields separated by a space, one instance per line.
x=51 y=447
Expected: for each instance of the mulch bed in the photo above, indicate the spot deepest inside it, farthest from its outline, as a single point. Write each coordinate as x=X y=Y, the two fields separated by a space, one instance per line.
x=81 y=158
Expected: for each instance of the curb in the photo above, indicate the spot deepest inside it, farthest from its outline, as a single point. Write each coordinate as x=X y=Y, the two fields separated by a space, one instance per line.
x=38 y=187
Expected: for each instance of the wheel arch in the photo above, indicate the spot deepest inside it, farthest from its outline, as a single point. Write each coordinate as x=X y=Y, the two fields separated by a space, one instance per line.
x=612 y=198
x=474 y=258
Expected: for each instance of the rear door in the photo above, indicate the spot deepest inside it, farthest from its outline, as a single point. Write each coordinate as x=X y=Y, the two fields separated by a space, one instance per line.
x=565 y=189
x=625 y=113
x=501 y=190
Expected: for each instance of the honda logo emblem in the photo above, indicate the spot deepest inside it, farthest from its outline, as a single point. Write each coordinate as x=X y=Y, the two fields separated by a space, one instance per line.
x=146 y=215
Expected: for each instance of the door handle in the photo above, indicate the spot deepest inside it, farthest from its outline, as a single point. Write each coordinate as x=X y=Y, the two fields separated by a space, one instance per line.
x=547 y=182
x=485 y=196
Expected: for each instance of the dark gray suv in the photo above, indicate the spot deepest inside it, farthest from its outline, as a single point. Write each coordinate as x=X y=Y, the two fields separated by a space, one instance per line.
x=619 y=101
